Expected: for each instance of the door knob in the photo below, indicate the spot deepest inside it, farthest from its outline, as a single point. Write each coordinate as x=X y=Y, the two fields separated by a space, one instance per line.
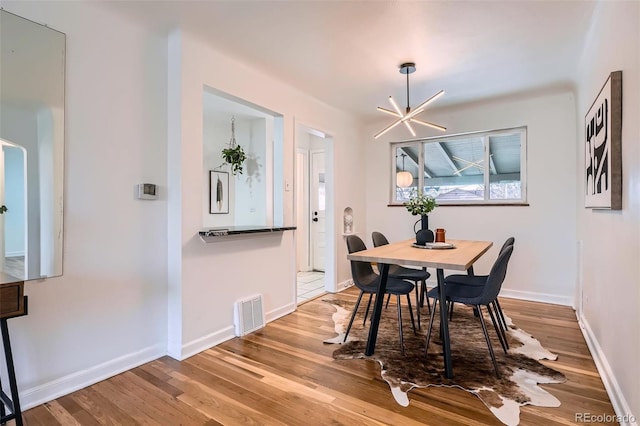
x=315 y=219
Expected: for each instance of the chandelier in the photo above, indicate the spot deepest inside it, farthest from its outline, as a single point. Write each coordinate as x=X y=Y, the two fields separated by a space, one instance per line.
x=409 y=116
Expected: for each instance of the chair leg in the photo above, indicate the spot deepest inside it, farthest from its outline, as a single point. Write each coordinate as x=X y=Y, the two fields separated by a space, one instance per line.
x=353 y=315
x=499 y=309
x=451 y=311
x=413 y=323
x=366 y=313
x=417 y=304
x=388 y=297
x=486 y=337
x=431 y=316
x=423 y=294
x=497 y=327
x=400 y=325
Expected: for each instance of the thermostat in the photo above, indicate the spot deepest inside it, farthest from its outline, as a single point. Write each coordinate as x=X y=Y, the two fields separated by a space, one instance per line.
x=147 y=191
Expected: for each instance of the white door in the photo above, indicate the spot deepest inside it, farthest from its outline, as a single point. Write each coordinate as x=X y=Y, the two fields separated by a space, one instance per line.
x=317 y=202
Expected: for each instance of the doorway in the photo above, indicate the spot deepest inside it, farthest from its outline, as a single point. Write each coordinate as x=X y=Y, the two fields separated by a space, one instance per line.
x=315 y=263
x=13 y=220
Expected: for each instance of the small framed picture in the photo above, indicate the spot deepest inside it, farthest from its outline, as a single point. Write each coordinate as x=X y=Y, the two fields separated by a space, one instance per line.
x=218 y=192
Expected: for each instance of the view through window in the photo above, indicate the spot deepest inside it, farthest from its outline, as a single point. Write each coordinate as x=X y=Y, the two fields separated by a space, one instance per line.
x=473 y=168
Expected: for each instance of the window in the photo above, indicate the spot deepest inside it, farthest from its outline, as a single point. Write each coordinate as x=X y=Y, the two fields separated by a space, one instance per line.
x=472 y=168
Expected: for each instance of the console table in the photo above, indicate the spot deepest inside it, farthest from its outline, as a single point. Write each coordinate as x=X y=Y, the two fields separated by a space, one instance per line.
x=13 y=303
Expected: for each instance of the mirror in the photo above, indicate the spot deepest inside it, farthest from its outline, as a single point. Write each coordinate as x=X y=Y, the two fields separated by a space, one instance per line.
x=32 y=66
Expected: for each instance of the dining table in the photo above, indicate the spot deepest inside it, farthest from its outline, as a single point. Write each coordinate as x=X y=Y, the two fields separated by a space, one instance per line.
x=460 y=256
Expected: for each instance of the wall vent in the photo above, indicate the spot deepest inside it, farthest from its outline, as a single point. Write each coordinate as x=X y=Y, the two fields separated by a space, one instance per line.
x=248 y=315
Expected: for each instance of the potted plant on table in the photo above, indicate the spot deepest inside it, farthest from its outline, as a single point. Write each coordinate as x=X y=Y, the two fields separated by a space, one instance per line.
x=421 y=204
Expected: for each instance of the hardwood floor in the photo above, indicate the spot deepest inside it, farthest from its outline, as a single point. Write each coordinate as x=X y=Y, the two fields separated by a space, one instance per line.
x=285 y=375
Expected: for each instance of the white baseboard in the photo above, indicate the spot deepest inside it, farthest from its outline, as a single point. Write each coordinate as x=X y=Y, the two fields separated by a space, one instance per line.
x=30 y=398
x=554 y=299
x=618 y=400
x=14 y=254
x=280 y=312
x=206 y=342
x=344 y=285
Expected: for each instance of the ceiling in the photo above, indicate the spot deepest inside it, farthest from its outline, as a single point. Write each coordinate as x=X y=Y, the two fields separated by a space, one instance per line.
x=347 y=53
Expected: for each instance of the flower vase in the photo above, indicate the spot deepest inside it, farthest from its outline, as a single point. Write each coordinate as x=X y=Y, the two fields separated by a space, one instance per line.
x=424 y=235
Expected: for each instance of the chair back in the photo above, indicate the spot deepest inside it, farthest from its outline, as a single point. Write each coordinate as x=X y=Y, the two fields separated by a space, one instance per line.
x=379 y=239
x=496 y=277
x=510 y=241
x=362 y=273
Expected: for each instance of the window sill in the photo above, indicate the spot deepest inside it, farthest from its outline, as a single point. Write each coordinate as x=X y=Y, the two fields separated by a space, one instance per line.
x=473 y=205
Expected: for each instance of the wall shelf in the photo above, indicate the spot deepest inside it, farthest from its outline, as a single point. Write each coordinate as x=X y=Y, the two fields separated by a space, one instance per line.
x=213 y=235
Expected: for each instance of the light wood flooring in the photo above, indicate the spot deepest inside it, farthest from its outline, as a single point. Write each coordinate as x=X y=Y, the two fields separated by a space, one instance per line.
x=285 y=375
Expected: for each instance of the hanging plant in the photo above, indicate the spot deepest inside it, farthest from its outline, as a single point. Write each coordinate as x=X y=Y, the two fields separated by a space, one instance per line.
x=3 y=209
x=234 y=155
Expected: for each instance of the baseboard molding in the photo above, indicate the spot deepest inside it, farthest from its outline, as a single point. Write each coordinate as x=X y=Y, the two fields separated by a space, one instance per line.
x=531 y=296
x=14 y=254
x=280 y=312
x=30 y=398
x=206 y=342
x=618 y=400
x=344 y=285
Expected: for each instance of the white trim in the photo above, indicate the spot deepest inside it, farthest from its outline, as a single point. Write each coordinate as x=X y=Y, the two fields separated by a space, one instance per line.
x=38 y=395
x=619 y=402
x=344 y=285
x=206 y=342
x=554 y=299
x=14 y=253
x=217 y=337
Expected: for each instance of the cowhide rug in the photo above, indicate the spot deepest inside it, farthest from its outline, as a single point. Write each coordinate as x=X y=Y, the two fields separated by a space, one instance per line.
x=472 y=368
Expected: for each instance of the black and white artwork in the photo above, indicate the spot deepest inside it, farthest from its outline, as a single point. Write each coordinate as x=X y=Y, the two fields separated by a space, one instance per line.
x=218 y=192
x=603 y=147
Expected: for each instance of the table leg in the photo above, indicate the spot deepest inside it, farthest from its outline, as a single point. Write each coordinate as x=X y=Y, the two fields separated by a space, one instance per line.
x=377 y=309
x=15 y=398
x=444 y=325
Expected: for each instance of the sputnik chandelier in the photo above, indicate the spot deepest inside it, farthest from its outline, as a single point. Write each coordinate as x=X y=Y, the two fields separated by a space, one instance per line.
x=409 y=116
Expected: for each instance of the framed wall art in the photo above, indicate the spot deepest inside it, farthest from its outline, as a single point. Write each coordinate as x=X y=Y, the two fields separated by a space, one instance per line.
x=218 y=192
x=603 y=147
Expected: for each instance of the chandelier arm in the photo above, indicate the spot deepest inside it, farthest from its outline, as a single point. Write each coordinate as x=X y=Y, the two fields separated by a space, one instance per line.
x=406 y=123
x=426 y=123
x=386 y=129
x=395 y=106
x=422 y=105
x=388 y=111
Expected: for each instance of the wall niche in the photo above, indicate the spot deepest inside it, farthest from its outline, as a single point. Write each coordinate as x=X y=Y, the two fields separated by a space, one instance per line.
x=253 y=198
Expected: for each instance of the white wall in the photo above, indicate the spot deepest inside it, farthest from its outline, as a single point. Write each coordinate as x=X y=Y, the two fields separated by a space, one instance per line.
x=609 y=266
x=108 y=311
x=14 y=198
x=544 y=262
x=209 y=278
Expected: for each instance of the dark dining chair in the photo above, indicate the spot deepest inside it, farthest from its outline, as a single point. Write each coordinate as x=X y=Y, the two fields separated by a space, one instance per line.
x=479 y=280
x=418 y=276
x=477 y=296
x=366 y=280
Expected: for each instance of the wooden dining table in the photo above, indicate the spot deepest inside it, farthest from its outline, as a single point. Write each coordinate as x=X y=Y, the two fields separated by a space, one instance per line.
x=459 y=258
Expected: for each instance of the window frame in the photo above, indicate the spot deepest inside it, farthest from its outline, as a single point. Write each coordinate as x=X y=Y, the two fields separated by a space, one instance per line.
x=485 y=135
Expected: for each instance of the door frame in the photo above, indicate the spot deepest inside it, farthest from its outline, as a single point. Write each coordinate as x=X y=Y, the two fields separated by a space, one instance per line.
x=330 y=281
x=3 y=143
x=312 y=194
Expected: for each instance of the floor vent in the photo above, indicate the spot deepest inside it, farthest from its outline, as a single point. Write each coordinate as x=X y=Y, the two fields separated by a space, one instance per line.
x=248 y=315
